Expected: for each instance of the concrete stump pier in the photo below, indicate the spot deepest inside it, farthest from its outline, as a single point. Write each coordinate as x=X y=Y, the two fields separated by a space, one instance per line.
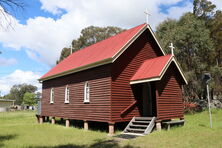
x=86 y=125
x=111 y=129
x=53 y=120
x=67 y=122
x=40 y=120
x=158 y=125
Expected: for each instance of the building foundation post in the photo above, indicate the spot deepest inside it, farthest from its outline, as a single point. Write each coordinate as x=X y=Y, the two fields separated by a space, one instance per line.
x=111 y=129
x=67 y=122
x=43 y=117
x=53 y=120
x=40 y=119
x=158 y=125
x=37 y=117
x=86 y=125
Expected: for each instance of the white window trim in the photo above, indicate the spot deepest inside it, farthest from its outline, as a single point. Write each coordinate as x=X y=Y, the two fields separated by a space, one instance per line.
x=86 y=92
x=67 y=94
x=52 y=96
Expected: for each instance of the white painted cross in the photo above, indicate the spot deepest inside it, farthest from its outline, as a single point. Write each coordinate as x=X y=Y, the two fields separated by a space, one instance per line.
x=172 y=48
x=147 y=16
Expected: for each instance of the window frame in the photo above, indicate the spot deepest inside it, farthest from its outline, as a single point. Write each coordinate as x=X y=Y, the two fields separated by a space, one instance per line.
x=67 y=95
x=86 y=92
x=52 y=96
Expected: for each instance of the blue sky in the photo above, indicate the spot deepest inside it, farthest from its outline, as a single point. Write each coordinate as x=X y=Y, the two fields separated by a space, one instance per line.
x=39 y=32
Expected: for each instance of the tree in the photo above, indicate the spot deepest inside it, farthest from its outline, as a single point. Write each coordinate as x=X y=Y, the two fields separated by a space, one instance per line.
x=191 y=39
x=194 y=48
x=29 y=99
x=89 y=36
x=9 y=8
x=216 y=85
x=215 y=26
x=17 y=92
x=167 y=32
x=203 y=9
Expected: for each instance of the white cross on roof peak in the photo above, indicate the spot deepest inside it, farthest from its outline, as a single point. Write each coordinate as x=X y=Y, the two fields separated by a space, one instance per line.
x=147 y=16
x=172 y=48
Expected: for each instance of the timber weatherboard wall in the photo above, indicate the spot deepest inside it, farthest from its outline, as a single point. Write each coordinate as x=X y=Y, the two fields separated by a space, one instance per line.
x=122 y=71
x=98 y=109
x=169 y=95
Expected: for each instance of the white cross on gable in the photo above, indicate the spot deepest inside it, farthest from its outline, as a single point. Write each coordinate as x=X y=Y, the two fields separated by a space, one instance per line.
x=147 y=16
x=172 y=48
x=71 y=48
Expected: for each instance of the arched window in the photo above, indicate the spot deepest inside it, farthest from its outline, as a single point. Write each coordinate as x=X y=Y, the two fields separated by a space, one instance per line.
x=86 y=92
x=52 y=95
x=67 y=94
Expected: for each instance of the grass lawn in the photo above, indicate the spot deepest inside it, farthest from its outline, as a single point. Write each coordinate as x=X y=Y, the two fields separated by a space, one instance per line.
x=19 y=129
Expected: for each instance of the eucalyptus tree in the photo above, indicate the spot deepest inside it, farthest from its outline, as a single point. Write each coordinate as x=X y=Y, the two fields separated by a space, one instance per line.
x=89 y=36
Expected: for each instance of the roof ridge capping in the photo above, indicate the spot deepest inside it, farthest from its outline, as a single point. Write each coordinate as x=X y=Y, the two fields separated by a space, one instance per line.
x=132 y=34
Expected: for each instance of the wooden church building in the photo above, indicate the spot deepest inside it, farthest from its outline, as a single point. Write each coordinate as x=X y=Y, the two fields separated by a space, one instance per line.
x=127 y=77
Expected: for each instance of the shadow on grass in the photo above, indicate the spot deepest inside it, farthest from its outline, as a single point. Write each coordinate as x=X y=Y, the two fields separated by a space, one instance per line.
x=93 y=125
x=98 y=144
x=122 y=136
x=6 y=138
x=202 y=125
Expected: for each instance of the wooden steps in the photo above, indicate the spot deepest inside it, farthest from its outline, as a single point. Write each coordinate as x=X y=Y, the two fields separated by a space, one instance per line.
x=140 y=126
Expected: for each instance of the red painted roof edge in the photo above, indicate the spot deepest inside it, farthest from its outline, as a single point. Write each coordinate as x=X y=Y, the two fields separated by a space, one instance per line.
x=171 y=59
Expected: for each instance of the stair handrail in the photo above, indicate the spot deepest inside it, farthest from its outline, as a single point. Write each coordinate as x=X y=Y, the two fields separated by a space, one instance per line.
x=128 y=107
x=133 y=119
x=150 y=126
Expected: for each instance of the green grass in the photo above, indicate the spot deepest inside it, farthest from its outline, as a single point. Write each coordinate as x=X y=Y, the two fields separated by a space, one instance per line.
x=195 y=134
x=19 y=129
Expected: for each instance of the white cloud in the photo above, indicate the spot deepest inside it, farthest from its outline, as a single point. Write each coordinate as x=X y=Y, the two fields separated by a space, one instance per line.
x=218 y=3
x=18 y=77
x=44 y=37
x=7 y=62
x=6 y=20
x=176 y=12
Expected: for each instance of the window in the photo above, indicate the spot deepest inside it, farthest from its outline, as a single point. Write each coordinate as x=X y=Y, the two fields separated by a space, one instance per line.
x=86 y=92
x=67 y=94
x=52 y=95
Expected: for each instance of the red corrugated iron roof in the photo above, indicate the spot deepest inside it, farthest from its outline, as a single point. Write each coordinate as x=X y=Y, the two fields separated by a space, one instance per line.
x=100 y=51
x=151 y=68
